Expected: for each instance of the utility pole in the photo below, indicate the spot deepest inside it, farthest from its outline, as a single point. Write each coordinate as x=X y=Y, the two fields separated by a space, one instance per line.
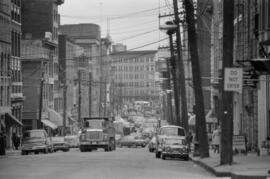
x=169 y=93
x=90 y=94
x=180 y=71
x=39 y=125
x=64 y=106
x=200 y=114
x=226 y=153
x=175 y=82
x=79 y=96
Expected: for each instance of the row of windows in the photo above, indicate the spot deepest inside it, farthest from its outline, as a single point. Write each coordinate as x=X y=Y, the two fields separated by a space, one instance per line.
x=134 y=68
x=4 y=64
x=16 y=13
x=139 y=84
x=138 y=92
x=16 y=89
x=16 y=44
x=17 y=2
x=264 y=10
x=4 y=96
x=135 y=60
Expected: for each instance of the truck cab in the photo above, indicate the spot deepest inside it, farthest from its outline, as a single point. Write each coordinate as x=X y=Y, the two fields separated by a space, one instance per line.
x=97 y=132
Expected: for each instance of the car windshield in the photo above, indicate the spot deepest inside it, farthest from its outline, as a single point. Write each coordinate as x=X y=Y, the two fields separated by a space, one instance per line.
x=58 y=139
x=33 y=134
x=175 y=142
x=172 y=131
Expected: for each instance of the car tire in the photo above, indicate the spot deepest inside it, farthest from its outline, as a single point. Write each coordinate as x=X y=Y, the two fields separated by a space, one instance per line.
x=186 y=158
x=157 y=155
x=163 y=157
x=24 y=153
x=45 y=151
x=36 y=152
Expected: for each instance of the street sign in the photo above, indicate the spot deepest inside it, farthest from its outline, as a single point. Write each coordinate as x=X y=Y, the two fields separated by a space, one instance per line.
x=233 y=79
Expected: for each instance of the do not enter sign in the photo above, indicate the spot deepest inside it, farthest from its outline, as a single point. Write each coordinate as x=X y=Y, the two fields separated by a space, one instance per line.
x=233 y=79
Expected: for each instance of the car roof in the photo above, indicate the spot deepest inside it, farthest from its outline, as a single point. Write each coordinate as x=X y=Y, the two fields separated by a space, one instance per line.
x=175 y=137
x=93 y=130
x=35 y=130
x=171 y=126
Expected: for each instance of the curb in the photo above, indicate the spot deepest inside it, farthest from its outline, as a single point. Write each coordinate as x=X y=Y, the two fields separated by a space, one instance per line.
x=212 y=170
x=227 y=174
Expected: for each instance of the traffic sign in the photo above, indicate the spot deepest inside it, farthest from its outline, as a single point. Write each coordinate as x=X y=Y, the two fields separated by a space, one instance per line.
x=233 y=79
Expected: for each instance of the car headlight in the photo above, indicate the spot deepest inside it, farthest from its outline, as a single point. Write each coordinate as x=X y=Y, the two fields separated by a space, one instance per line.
x=83 y=136
x=167 y=149
x=105 y=137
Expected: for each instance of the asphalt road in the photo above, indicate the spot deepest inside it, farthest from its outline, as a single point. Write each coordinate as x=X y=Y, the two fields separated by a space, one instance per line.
x=124 y=163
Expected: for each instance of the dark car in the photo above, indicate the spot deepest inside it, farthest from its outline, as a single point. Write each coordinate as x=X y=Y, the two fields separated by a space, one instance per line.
x=36 y=141
x=59 y=143
x=174 y=147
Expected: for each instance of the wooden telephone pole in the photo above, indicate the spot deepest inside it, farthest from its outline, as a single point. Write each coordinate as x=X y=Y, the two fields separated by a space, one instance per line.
x=180 y=71
x=226 y=153
x=200 y=114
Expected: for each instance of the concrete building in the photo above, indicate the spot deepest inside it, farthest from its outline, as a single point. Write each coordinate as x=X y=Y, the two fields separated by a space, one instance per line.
x=251 y=107
x=71 y=57
x=88 y=36
x=264 y=83
x=15 y=63
x=40 y=22
x=134 y=75
x=11 y=98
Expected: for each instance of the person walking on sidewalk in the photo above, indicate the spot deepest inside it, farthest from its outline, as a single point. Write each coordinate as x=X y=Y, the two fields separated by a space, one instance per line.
x=2 y=141
x=216 y=139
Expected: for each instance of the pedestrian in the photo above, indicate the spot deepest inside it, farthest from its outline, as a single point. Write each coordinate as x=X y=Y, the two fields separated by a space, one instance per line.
x=216 y=139
x=2 y=141
x=15 y=140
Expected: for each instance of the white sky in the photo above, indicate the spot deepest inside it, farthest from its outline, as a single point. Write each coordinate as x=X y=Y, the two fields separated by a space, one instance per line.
x=136 y=25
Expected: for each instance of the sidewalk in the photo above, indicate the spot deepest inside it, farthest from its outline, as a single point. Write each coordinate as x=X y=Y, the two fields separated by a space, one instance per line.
x=244 y=166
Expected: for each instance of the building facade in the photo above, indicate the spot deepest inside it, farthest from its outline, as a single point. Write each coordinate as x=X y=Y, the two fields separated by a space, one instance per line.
x=251 y=53
x=11 y=98
x=72 y=60
x=40 y=22
x=88 y=36
x=134 y=75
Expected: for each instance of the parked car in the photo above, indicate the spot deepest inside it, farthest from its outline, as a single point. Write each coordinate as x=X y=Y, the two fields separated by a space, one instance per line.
x=167 y=131
x=36 y=141
x=174 y=147
x=72 y=141
x=152 y=144
x=131 y=141
x=59 y=143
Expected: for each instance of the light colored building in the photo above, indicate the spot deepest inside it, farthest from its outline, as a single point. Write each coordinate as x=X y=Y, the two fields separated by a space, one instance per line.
x=88 y=37
x=134 y=75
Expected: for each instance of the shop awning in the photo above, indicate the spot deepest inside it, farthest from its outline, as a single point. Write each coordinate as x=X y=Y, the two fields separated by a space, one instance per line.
x=55 y=117
x=49 y=124
x=12 y=120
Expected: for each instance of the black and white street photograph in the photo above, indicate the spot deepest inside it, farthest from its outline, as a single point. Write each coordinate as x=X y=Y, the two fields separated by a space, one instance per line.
x=134 y=89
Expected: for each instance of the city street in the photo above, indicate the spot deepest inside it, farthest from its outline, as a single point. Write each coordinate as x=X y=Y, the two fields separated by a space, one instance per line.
x=122 y=163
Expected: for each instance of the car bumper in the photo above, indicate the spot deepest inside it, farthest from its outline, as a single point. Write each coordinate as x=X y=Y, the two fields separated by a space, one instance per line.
x=34 y=148
x=176 y=154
